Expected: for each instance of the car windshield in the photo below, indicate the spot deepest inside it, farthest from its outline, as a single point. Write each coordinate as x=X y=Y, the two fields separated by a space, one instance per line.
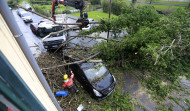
x=94 y=71
x=25 y=14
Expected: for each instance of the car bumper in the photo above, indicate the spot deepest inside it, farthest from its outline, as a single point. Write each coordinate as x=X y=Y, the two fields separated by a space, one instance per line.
x=28 y=20
x=51 y=46
x=106 y=95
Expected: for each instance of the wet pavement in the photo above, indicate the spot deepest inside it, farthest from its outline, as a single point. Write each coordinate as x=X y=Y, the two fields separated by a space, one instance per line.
x=139 y=95
x=34 y=43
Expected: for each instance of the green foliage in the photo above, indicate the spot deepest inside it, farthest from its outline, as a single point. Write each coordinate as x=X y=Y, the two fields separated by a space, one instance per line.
x=46 y=9
x=118 y=102
x=157 y=44
x=133 y=2
x=165 y=109
x=116 y=7
x=42 y=10
x=12 y=3
x=172 y=2
x=105 y=5
x=188 y=102
x=150 y=1
x=132 y=19
x=66 y=11
x=95 y=2
x=96 y=15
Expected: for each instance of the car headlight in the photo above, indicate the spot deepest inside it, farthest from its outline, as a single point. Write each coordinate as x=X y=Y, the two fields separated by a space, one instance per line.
x=114 y=78
x=97 y=93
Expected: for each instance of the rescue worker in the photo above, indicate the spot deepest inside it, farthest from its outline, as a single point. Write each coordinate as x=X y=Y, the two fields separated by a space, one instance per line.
x=68 y=82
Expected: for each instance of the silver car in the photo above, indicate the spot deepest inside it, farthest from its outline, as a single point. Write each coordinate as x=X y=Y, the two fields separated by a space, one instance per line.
x=25 y=16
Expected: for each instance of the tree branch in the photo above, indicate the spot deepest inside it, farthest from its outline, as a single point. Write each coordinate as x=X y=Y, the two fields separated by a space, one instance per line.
x=159 y=55
x=169 y=46
x=72 y=62
x=53 y=33
x=95 y=37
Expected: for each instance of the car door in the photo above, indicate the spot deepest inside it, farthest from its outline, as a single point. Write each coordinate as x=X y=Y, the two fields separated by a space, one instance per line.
x=75 y=69
x=86 y=83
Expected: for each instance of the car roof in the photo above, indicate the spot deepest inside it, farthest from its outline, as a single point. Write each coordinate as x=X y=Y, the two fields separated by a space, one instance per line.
x=22 y=12
x=28 y=6
x=47 y=24
x=88 y=64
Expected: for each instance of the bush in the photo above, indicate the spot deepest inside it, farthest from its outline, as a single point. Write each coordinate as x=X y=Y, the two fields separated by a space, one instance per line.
x=95 y=2
x=117 y=6
x=42 y=11
x=105 y=6
x=66 y=11
x=12 y=3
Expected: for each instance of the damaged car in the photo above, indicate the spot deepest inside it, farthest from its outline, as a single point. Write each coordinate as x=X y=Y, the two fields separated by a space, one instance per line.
x=95 y=78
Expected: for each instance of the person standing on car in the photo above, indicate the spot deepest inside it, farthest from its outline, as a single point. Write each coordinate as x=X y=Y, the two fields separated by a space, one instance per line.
x=68 y=82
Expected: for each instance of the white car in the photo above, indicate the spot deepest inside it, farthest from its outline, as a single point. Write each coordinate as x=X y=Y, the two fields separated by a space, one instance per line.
x=89 y=26
x=25 y=16
x=19 y=11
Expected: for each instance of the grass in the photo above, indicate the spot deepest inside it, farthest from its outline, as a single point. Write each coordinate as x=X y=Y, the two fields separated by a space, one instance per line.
x=20 y=1
x=166 y=7
x=59 y=10
x=171 y=2
x=160 y=7
x=96 y=15
x=136 y=4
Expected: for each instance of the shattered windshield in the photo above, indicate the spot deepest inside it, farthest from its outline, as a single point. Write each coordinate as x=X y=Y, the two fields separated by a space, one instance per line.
x=94 y=71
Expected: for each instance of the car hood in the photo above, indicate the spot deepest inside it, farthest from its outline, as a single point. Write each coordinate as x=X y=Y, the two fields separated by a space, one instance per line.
x=56 y=38
x=104 y=83
x=26 y=17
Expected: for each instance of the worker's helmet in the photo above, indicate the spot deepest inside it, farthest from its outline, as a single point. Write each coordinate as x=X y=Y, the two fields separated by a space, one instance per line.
x=65 y=77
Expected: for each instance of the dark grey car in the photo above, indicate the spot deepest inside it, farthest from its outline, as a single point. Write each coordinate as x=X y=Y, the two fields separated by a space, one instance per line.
x=95 y=79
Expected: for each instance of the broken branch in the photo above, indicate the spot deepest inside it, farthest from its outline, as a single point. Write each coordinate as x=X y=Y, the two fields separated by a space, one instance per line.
x=53 y=33
x=72 y=62
x=169 y=46
x=95 y=37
